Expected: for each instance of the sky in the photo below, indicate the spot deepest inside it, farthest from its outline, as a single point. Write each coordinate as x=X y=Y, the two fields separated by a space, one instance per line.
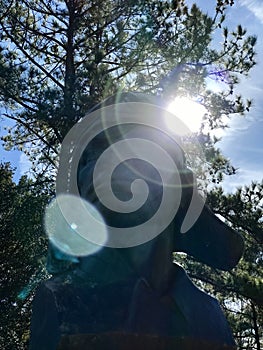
x=242 y=143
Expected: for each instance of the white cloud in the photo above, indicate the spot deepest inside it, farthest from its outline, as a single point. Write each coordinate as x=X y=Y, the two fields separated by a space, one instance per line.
x=243 y=177
x=255 y=6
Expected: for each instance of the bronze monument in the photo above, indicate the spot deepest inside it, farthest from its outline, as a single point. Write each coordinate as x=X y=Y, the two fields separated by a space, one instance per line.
x=136 y=297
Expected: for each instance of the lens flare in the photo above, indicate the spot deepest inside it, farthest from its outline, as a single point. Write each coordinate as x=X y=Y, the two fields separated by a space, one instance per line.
x=135 y=144
x=73 y=225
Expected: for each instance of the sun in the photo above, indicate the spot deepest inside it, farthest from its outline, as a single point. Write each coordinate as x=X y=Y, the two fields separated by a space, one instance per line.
x=188 y=111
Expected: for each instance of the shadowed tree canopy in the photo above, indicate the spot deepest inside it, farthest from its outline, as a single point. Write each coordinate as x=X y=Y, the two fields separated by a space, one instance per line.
x=22 y=261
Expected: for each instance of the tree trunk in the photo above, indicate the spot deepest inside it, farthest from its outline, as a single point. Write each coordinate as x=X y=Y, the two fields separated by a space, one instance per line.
x=70 y=76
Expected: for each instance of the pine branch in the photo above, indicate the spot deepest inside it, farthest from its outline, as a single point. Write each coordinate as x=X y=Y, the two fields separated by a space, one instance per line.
x=32 y=130
x=30 y=58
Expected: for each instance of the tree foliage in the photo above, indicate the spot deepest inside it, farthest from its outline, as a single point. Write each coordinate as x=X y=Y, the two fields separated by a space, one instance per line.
x=22 y=255
x=59 y=58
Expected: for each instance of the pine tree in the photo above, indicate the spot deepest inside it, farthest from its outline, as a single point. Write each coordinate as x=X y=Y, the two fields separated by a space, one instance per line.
x=23 y=251
x=59 y=58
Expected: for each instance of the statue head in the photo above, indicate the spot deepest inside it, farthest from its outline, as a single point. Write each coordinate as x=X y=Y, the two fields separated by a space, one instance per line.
x=208 y=239
x=129 y=185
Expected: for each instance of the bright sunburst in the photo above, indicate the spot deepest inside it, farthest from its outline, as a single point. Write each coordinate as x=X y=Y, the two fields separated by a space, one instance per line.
x=187 y=110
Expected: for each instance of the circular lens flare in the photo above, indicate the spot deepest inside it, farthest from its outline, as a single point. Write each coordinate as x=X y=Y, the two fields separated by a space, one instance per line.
x=73 y=224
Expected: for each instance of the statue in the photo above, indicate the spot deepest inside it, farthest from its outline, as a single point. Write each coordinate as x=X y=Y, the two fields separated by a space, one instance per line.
x=136 y=296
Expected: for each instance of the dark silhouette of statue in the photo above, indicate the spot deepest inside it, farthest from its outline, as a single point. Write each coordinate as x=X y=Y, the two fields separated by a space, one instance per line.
x=136 y=297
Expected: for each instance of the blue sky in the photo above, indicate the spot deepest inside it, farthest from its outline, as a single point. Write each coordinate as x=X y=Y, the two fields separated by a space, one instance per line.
x=243 y=141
